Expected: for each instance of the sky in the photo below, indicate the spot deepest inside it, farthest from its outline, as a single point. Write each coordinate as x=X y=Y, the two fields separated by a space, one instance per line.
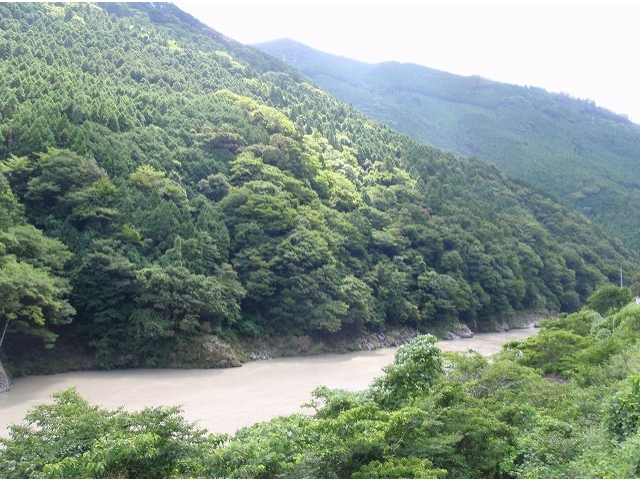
x=588 y=50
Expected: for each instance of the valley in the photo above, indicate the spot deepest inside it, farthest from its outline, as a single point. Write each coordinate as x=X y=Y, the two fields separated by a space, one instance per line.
x=171 y=201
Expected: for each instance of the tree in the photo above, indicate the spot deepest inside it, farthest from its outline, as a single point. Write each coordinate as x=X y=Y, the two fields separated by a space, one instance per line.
x=403 y=467
x=552 y=350
x=33 y=290
x=608 y=299
x=415 y=368
x=72 y=439
x=309 y=296
x=622 y=414
x=104 y=290
x=10 y=209
x=56 y=174
x=174 y=301
x=32 y=300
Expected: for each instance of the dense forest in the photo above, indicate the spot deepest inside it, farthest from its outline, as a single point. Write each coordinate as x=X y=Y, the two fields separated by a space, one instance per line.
x=563 y=403
x=162 y=186
x=585 y=155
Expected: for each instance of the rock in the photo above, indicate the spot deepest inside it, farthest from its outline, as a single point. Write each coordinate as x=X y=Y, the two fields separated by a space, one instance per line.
x=219 y=354
x=463 y=331
x=398 y=337
x=259 y=356
x=527 y=320
x=365 y=344
x=451 y=336
x=503 y=327
x=5 y=383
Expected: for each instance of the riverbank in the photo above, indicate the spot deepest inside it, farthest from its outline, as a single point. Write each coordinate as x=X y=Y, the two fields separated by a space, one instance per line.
x=213 y=351
x=223 y=400
x=268 y=347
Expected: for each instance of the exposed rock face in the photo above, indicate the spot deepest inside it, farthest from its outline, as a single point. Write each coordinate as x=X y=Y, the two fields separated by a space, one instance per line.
x=373 y=341
x=503 y=327
x=5 y=383
x=526 y=320
x=462 y=331
x=287 y=346
x=451 y=336
x=219 y=354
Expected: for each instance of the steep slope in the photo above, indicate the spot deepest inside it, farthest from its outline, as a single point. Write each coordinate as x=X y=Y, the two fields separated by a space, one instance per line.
x=587 y=156
x=164 y=183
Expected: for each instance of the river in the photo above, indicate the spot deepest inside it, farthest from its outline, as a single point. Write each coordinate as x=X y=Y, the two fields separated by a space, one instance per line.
x=223 y=400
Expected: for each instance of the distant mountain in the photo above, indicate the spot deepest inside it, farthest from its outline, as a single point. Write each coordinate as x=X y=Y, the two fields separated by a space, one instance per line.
x=587 y=156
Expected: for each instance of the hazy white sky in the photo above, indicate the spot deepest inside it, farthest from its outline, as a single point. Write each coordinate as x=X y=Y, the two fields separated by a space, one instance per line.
x=586 y=49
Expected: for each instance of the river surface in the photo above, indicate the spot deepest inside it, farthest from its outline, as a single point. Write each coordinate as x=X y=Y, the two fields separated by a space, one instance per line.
x=223 y=400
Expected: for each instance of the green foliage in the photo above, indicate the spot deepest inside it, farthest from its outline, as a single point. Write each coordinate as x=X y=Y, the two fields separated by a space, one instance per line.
x=31 y=298
x=202 y=187
x=9 y=206
x=265 y=450
x=580 y=323
x=545 y=449
x=608 y=299
x=72 y=439
x=407 y=467
x=173 y=299
x=623 y=461
x=569 y=147
x=466 y=417
x=33 y=291
x=623 y=411
x=552 y=351
x=416 y=367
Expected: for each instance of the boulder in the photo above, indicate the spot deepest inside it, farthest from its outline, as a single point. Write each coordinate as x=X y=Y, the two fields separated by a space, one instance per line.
x=219 y=354
x=451 y=336
x=5 y=383
x=463 y=331
x=503 y=327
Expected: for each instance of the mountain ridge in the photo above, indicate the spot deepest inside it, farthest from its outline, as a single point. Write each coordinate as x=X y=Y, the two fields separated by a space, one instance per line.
x=164 y=184
x=583 y=154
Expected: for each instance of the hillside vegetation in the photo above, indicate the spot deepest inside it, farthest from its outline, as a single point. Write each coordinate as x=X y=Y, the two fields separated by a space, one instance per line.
x=161 y=184
x=587 y=156
x=563 y=403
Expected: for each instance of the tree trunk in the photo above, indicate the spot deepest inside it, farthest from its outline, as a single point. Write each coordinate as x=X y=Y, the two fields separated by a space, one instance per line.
x=5 y=383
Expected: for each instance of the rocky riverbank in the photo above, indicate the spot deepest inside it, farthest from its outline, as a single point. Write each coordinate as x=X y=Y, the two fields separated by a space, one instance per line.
x=269 y=347
x=216 y=352
x=294 y=346
x=518 y=321
x=5 y=383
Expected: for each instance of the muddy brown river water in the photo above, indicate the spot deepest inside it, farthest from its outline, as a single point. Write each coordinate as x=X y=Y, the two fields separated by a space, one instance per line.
x=223 y=400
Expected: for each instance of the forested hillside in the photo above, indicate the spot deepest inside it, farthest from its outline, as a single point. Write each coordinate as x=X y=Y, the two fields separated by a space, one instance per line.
x=161 y=183
x=561 y=404
x=587 y=156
